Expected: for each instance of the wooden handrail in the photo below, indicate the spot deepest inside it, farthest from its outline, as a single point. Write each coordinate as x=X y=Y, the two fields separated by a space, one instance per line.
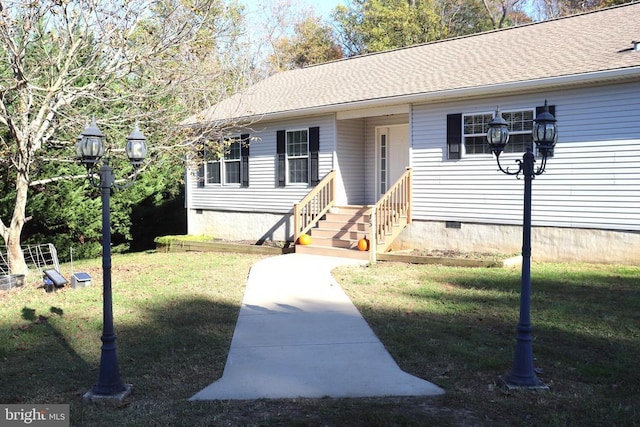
x=393 y=205
x=314 y=205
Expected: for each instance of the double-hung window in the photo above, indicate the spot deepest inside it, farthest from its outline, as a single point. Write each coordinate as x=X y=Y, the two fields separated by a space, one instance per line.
x=231 y=162
x=475 y=126
x=228 y=165
x=298 y=156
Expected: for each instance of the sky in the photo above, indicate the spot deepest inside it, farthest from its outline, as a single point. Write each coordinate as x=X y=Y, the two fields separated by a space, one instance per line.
x=322 y=7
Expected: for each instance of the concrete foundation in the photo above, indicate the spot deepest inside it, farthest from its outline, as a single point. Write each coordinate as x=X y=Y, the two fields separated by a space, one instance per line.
x=240 y=225
x=548 y=244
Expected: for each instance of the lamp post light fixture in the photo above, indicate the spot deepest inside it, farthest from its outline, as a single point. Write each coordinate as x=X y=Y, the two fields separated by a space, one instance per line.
x=545 y=135
x=90 y=149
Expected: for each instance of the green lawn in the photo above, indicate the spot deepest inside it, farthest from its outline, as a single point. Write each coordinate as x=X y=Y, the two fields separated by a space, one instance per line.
x=175 y=314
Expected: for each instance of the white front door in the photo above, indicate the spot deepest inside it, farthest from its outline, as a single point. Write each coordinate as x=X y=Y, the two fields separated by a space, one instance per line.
x=392 y=156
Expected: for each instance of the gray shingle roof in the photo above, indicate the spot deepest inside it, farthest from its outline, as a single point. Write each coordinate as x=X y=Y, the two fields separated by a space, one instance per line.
x=586 y=44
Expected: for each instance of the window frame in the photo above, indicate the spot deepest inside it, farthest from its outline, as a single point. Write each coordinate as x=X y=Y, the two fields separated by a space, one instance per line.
x=223 y=162
x=289 y=157
x=522 y=133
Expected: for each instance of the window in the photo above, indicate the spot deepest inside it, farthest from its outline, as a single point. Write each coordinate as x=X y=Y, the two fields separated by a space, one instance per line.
x=475 y=126
x=213 y=172
x=231 y=168
x=232 y=163
x=298 y=156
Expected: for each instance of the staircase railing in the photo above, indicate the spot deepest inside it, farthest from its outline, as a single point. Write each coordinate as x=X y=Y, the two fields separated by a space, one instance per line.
x=314 y=205
x=392 y=208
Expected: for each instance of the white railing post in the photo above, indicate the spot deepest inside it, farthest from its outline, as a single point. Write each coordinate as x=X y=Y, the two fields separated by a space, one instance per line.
x=373 y=237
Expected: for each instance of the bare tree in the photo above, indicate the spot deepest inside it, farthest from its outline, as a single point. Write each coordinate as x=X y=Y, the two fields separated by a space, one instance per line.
x=499 y=11
x=62 y=56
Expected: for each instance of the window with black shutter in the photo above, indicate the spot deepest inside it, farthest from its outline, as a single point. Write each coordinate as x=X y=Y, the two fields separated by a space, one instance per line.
x=229 y=165
x=297 y=156
x=469 y=131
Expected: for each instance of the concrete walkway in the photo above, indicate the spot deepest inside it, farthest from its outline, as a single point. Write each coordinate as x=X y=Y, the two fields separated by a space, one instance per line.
x=299 y=335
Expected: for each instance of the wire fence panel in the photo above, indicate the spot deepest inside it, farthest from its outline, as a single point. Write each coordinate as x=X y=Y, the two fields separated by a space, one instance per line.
x=38 y=257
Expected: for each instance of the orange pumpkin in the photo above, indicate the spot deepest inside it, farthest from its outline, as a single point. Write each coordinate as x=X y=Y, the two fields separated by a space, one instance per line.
x=363 y=244
x=304 y=239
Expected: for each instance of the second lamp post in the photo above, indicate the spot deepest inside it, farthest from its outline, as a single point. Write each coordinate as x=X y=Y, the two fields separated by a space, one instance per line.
x=545 y=136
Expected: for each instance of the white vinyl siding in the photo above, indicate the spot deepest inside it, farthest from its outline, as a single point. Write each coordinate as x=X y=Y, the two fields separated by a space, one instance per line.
x=593 y=180
x=263 y=195
x=351 y=165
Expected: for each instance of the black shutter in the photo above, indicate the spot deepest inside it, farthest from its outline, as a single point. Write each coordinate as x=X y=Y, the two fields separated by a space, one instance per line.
x=281 y=178
x=244 y=162
x=202 y=159
x=314 y=149
x=454 y=136
x=200 y=176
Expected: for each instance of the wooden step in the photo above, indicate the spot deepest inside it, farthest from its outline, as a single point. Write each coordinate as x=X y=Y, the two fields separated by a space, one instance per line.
x=339 y=234
x=353 y=209
x=348 y=217
x=332 y=251
x=341 y=226
x=333 y=242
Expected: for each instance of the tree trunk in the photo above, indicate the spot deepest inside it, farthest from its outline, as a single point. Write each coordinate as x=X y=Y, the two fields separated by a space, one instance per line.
x=12 y=235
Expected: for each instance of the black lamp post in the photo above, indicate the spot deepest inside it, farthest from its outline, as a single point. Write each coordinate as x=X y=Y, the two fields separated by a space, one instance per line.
x=90 y=149
x=545 y=135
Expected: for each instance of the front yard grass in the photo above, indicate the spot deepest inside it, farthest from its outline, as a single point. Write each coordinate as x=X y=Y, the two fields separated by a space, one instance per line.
x=175 y=314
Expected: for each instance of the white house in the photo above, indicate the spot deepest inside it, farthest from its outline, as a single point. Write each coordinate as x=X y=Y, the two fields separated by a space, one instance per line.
x=342 y=134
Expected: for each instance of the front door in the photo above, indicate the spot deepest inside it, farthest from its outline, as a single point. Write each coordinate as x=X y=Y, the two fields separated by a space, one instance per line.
x=393 y=155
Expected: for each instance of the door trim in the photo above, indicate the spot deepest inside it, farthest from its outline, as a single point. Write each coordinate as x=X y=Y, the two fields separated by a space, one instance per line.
x=385 y=131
